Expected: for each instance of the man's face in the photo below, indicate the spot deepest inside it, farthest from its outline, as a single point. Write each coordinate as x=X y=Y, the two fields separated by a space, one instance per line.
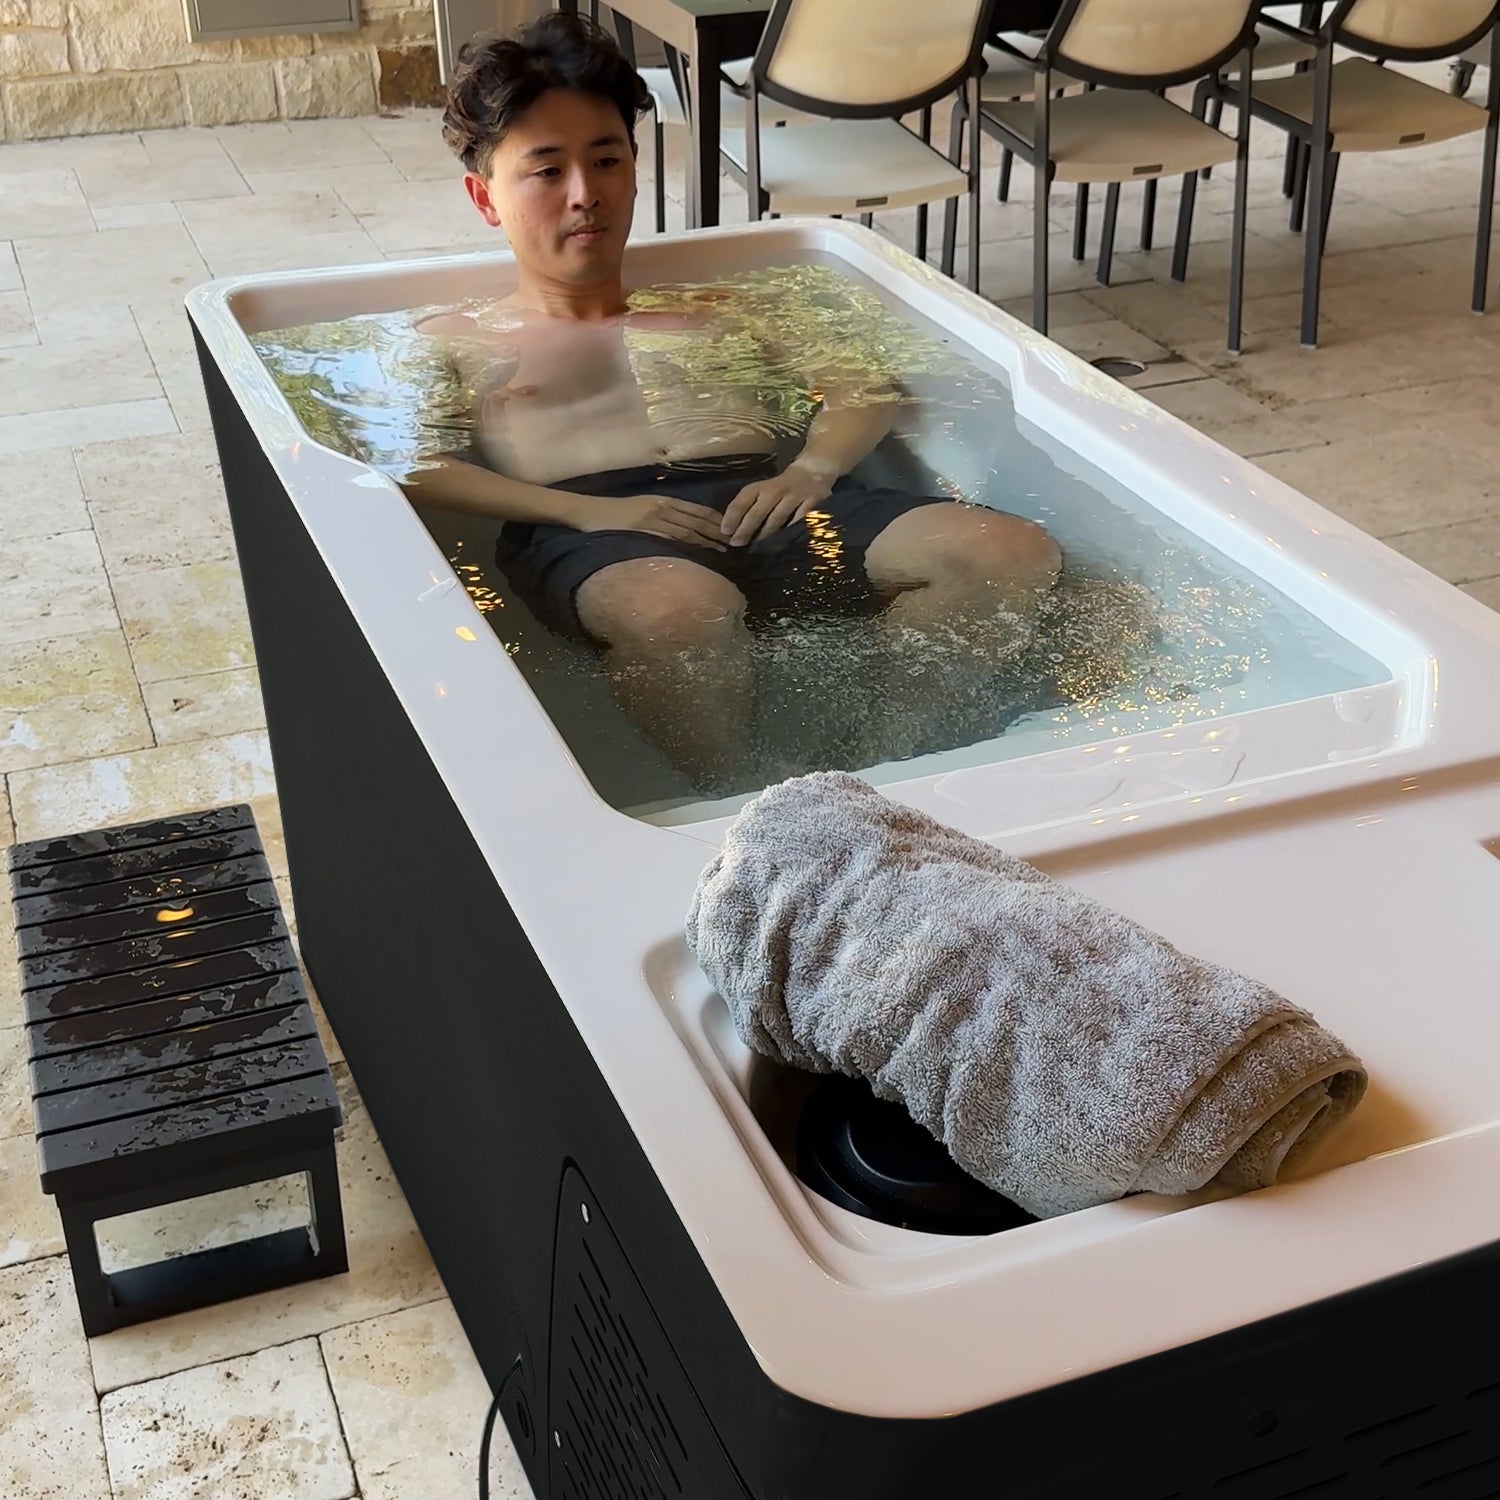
x=562 y=187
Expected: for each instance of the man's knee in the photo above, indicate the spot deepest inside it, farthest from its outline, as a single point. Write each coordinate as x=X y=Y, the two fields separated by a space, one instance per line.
x=968 y=545
x=662 y=603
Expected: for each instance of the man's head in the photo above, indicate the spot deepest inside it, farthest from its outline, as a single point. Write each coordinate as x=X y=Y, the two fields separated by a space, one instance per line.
x=544 y=123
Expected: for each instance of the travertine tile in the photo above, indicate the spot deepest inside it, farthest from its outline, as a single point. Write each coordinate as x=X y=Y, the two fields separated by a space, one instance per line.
x=299 y=145
x=193 y=177
x=412 y=1401
x=1233 y=419
x=17 y=326
x=157 y=502
x=423 y=163
x=10 y=272
x=53 y=585
x=1005 y=269
x=167 y=779
x=263 y=220
x=207 y=1222
x=11 y=1013
x=419 y=216
x=42 y=203
x=7 y=836
x=167 y=148
x=1389 y=485
x=389 y=1269
x=164 y=324
x=182 y=380
x=210 y=703
x=1277 y=369
x=15 y=1093
x=30 y=1228
x=69 y=154
x=1463 y=553
x=1113 y=340
x=1066 y=310
x=88 y=372
x=84 y=424
x=50 y=1443
x=68 y=698
x=1272 y=268
x=325 y=179
x=263 y=1427
x=136 y=215
x=1165 y=313
x=64 y=324
x=110 y=266
x=351 y=247
x=183 y=621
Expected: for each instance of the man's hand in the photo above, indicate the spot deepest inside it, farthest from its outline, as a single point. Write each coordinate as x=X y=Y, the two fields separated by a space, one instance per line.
x=769 y=504
x=656 y=515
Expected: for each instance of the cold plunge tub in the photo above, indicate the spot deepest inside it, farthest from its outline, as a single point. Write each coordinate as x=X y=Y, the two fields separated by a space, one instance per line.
x=599 y=1166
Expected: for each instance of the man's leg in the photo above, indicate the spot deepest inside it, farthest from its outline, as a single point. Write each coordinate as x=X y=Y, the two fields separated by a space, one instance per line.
x=678 y=657
x=967 y=583
x=964 y=567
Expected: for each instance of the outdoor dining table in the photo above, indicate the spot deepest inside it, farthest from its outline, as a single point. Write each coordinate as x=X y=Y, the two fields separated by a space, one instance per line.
x=708 y=33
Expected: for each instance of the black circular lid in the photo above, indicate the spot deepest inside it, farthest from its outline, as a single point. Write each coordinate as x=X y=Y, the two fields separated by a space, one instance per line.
x=868 y=1155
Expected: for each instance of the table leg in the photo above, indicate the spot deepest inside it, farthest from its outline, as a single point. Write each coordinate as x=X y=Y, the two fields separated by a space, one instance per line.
x=703 y=125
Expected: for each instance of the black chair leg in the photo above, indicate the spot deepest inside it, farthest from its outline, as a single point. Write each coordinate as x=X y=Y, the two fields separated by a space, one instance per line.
x=1081 y=223
x=1184 y=226
x=1107 y=231
x=1148 y=215
x=1209 y=107
x=661 y=178
x=1039 y=287
x=1316 y=198
x=1297 y=217
x=921 y=243
x=1486 y=216
x=950 y=208
x=1241 y=213
x=1333 y=177
x=1007 y=159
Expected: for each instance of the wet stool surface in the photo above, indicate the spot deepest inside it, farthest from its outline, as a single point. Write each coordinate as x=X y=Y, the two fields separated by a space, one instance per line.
x=173 y=1052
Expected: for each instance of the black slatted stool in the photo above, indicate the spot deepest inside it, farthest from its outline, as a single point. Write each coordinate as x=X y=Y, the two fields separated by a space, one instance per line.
x=173 y=1053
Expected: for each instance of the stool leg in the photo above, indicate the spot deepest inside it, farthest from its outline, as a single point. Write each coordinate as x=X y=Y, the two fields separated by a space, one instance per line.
x=96 y=1306
x=327 y=1208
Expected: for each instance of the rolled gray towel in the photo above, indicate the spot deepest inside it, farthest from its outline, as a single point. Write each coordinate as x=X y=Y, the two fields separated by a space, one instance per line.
x=1064 y=1055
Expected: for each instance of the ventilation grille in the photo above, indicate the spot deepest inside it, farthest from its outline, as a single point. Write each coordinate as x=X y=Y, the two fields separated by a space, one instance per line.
x=1441 y=1449
x=626 y=1425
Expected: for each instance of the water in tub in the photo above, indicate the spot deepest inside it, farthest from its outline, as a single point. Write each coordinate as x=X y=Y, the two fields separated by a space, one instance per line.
x=1146 y=628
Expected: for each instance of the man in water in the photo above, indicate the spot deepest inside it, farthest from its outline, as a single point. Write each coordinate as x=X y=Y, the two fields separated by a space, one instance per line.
x=651 y=537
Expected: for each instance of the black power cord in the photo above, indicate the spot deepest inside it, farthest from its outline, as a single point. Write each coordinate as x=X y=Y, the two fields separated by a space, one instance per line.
x=489 y=1429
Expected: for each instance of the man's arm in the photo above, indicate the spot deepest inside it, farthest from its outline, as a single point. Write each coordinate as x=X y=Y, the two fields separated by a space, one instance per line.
x=455 y=484
x=844 y=433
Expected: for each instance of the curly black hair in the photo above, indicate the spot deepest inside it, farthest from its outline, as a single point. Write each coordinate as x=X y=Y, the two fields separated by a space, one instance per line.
x=499 y=77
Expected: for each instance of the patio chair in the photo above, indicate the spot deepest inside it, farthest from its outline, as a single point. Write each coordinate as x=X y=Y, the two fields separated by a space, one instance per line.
x=1359 y=104
x=668 y=109
x=665 y=85
x=1125 y=129
x=859 y=68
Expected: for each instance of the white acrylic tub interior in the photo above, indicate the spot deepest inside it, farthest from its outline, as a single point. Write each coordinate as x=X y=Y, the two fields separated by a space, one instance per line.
x=1335 y=848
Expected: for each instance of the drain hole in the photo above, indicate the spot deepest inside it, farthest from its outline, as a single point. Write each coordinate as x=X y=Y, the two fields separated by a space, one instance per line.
x=1120 y=369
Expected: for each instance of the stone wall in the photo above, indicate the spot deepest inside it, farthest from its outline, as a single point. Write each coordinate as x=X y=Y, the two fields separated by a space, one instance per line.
x=79 y=67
